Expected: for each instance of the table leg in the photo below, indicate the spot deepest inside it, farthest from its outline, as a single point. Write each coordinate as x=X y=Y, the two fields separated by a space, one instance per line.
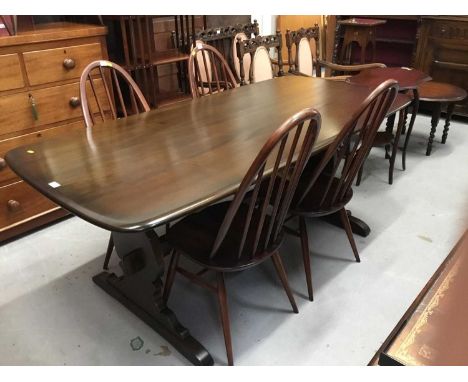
x=410 y=127
x=403 y=130
x=434 y=122
x=396 y=139
x=389 y=130
x=358 y=226
x=448 y=117
x=140 y=290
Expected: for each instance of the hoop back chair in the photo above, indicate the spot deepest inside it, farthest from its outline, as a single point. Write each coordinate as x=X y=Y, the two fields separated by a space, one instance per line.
x=100 y=85
x=236 y=235
x=261 y=67
x=325 y=188
x=94 y=102
x=209 y=73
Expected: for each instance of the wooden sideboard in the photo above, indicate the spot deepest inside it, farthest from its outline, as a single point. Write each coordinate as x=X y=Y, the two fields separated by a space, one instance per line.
x=39 y=98
x=437 y=45
x=442 y=52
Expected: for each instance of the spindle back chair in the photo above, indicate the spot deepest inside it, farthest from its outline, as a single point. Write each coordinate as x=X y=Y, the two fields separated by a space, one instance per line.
x=111 y=77
x=325 y=188
x=98 y=105
x=209 y=72
x=236 y=235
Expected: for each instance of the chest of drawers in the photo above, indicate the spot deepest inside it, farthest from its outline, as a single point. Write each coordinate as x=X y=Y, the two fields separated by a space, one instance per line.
x=39 y=98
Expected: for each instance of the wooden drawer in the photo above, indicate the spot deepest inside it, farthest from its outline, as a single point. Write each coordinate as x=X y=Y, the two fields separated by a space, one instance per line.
x=10 y=72
x=52 y=105
x=6 y=174
x=451 y=30
x=19 y=201
x=44 y=66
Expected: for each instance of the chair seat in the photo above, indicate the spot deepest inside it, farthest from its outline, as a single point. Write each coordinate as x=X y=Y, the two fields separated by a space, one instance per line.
x=195 y=235
x=312 y=203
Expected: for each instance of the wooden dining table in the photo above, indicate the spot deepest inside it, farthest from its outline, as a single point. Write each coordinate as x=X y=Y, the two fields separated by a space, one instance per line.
x=131 y=175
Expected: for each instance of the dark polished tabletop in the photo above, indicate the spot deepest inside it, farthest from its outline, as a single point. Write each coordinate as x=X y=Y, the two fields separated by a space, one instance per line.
x=407 y=78
x=136 y=173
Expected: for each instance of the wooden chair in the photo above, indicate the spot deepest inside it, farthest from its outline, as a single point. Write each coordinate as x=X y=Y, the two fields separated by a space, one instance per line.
x=224 y=39
x=258 y=48
x=305 y=43
x=209 y=72
x=102 y=98
x=240 y=234
x=325 y=188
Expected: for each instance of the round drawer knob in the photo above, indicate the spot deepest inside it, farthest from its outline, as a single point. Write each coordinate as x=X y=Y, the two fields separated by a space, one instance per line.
x=69 y=63
x=74 y=102
x=13 y=205
x=2 y=163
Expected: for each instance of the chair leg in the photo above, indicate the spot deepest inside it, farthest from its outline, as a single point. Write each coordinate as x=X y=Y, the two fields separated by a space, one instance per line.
x=110 y=248
x=171 y=271
x=223 y=308
x=396 y=140
x=359 y=176
x=349 y=232
x=306 y=256
x=284 y=279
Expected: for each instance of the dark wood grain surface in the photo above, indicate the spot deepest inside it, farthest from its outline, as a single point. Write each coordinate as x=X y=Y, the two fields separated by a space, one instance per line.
x=407 y=78
x=135 y=173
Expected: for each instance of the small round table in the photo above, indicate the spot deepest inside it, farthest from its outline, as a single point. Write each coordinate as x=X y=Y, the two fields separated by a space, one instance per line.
x=439 y=94
x=409 y=80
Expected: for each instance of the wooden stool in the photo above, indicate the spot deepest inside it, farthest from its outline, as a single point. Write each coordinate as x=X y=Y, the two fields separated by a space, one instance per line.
x=361 y=31
x=440 y=93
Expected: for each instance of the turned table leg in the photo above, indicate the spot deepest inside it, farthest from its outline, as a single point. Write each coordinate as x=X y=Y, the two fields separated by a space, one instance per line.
x=140 y=289
x=434 y=122
x=448 y=117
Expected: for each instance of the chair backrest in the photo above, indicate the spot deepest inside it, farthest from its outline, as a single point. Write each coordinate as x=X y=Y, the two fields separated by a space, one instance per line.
x=345 y=155
x=278 y=166
x=102 y=96
x=305 y=45
x=223 y=39
x=261 y=68
x=209 y=72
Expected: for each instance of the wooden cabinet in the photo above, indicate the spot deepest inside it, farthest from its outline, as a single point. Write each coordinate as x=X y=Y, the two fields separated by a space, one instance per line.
x=39 y=97
x=443 y=52
x=437 y=45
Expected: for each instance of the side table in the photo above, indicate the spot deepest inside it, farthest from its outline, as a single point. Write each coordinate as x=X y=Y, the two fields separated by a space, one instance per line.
x=361 y=31
x=408 y=80
x=439 y=94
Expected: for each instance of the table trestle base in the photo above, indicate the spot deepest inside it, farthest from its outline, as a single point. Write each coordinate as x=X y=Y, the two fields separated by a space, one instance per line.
x=140 y=289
